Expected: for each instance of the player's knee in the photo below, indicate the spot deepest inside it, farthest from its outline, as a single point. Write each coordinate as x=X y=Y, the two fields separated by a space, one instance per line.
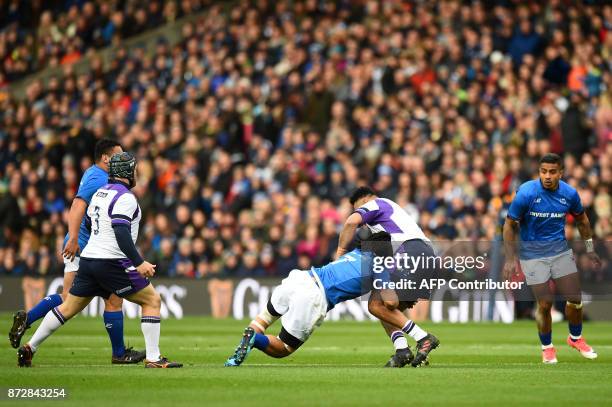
x=65 y=292
x=67 y=309
x=391 y=304
x=155 y=300
x=113 y=304
x=545 y=306
x=378 y=307
x=374 y=308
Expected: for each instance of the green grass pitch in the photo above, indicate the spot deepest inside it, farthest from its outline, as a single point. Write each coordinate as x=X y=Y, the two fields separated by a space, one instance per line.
x=476 y=364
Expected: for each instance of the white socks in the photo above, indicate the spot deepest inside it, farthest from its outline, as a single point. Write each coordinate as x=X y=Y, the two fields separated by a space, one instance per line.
x=414 y=331
x=399 y=340
x=49 y=324
x=150 y=329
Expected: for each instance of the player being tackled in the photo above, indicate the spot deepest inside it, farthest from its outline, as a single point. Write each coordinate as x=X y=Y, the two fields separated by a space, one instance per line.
x=110 y=264
x=304 y=298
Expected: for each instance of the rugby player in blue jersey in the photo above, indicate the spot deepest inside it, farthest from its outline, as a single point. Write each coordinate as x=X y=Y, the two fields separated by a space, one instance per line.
x=537 y=214
x=304 y=298
x=75 y=241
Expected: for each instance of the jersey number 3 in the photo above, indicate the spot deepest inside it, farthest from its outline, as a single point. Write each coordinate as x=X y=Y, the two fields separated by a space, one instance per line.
x=96 y=220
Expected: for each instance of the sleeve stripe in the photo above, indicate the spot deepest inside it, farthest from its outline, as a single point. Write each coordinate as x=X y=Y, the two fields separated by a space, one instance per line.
x=120 y=216
x=120 y=222
x=513 y=218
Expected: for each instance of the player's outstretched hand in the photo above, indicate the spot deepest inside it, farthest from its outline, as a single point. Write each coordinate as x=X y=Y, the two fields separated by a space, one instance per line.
x=595 y=259
x=509 y=269
x=71 y=249
x=146 y=269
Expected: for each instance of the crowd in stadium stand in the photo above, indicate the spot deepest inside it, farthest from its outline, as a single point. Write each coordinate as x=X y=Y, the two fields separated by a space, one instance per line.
x=36 y=34
x=252 y=132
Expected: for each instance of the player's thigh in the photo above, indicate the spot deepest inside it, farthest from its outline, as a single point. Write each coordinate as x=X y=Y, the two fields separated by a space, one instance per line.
x=565 y=273
x=68 y=280
x=306 y=311
x=568 y=287
x=146 y=297
x=281 y=296
x=536 y=271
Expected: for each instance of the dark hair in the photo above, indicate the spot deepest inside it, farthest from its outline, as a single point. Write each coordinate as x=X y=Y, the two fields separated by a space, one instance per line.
x=360 y=193
x=104 y=146
x=551 y=158
x=378 y=243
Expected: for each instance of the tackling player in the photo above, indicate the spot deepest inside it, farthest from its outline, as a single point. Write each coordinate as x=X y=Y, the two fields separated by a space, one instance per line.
x=110 y=264
x=539 y=211
x=304 y=298
x=381 y=214
x=76 y=239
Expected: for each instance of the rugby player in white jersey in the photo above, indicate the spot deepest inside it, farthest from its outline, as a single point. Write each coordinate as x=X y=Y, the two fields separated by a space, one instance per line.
x=75 y=241
x=110 y=264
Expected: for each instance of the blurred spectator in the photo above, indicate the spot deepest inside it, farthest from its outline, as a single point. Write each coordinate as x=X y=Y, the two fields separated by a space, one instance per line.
x=36 y=34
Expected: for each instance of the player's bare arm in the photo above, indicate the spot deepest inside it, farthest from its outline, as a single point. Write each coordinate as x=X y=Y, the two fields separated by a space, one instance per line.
x=510 y=234
x=347 y=233
x=584 y=227
x=75 y=217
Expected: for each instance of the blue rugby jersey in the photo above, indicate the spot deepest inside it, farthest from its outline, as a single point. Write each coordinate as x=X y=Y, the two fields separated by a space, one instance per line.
x=541 y=214
x=349 y=277
x=93 y=179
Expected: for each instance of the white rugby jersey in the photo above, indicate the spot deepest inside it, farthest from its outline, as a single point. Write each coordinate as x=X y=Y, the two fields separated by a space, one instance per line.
x=384 y=215
x=110 y=205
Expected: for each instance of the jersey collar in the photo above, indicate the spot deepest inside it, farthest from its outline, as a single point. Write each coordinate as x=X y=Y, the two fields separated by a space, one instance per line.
x=116 y=181
x=100 y=168
x=548 y=190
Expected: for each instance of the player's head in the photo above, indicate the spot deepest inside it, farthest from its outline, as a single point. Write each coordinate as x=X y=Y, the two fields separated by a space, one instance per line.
x=104 y=150
x=378 y=243
x=123 y=166
x=362 y=195
x=551 y=170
